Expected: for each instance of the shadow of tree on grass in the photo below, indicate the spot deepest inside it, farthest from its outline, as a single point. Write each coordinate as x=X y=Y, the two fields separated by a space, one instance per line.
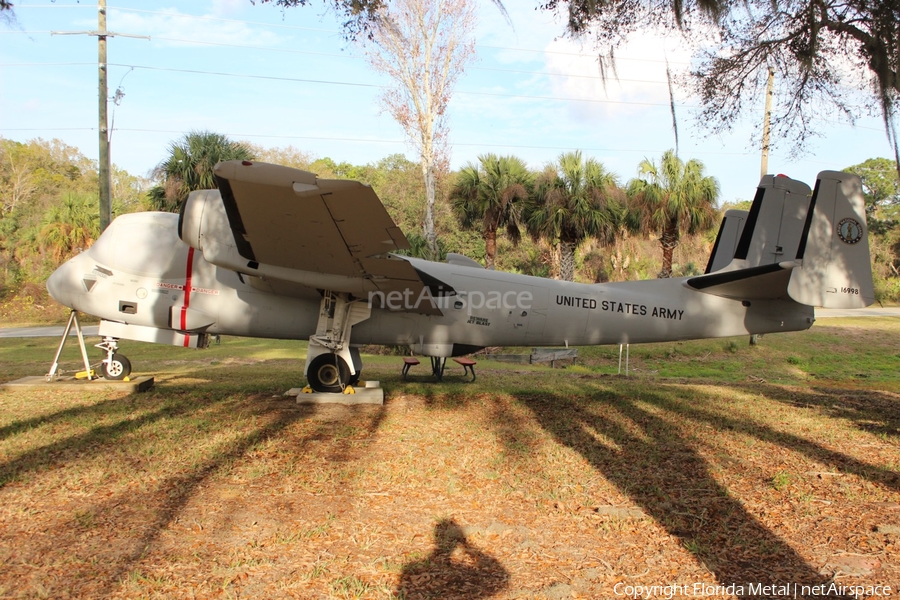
x=92 y=554
x=661 y=472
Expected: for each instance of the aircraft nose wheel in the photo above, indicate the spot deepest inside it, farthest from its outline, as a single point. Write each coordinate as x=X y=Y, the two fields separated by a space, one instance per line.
x=328 y=373
x=117 y=367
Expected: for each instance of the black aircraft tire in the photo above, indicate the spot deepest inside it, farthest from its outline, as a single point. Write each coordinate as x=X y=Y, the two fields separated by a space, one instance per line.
x=328 y=373
x=118 y=368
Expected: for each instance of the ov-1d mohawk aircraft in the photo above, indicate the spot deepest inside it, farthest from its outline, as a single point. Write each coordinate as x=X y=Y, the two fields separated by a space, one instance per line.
x=276 y=252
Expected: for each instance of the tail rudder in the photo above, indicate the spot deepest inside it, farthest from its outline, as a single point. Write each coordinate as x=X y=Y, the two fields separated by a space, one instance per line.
x=835 y=266
x=769 y=233
x=727 y=239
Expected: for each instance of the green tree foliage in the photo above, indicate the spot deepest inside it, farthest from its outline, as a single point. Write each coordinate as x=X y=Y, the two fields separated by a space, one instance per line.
x=418 y=248
x=189 y=167
x=287 y=156
x=673 y=198
x=37 y=178
x=491 y=195
x=572 y=201
x=818 y=48
x=33 y=176
x=55 y=208
x=881 y=187
x=70 y=225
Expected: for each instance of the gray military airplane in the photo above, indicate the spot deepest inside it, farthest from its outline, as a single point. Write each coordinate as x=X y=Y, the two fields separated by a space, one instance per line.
x=277 y=252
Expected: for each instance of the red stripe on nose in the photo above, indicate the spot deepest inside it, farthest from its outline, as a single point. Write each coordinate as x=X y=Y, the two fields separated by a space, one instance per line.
x=189 y=271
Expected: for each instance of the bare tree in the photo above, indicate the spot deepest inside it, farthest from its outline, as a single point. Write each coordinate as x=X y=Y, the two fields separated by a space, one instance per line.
x=423 y=46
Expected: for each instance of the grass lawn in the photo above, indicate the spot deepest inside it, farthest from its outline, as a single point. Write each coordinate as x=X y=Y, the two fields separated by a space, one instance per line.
x=714 y=463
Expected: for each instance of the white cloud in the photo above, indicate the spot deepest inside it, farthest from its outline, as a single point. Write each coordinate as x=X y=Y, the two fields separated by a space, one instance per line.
x=528 y=28
x=639 y=82
x=173 y=27
x=225 y=8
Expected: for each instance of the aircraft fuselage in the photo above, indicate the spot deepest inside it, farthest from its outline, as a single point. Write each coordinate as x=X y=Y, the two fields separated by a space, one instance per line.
x=168 y=285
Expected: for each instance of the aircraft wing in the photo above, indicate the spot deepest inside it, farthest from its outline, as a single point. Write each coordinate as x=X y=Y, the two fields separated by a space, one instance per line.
x=294 y=221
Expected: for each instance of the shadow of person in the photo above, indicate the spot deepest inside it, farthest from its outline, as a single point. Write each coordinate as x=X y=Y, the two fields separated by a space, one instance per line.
x=470 y=574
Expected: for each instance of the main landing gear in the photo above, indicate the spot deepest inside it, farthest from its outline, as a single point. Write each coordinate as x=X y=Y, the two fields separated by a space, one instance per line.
x=331 y=364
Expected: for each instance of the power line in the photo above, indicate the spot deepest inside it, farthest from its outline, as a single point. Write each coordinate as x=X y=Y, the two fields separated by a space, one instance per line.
x=357 y=57
x=337 y=32
x=356 y=84
x=379 y=86
x=374 y=140
x=220 y=19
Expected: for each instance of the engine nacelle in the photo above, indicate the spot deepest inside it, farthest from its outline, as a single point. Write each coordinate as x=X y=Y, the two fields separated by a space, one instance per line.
x=203 y=225
x=203 y=215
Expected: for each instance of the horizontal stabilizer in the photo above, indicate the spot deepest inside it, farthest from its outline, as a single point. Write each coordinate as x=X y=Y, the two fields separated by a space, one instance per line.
x=765 y=282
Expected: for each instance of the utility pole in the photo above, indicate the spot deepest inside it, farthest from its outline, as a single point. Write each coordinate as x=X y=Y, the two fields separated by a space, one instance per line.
x=102 y=122
x=764 y=168
x=103 y=100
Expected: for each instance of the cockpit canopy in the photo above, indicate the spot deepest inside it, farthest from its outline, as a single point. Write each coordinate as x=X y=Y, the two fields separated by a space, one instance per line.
x=145 y=244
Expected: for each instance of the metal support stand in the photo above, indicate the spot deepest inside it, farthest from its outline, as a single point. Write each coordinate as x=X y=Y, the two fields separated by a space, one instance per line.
x=437 y=367
x=627 y=351
x=53 y=374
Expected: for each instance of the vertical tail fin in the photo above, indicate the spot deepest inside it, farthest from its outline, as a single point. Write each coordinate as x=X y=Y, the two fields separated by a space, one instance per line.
x=769 y=233
x=727 y=240
x=836 y=270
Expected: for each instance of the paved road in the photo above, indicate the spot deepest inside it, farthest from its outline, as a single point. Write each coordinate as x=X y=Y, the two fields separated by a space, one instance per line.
x=872 y=311
x=91 y=330
x=44 y=331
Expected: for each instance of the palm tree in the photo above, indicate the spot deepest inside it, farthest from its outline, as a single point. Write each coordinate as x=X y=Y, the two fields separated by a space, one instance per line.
x=573 y=199
x=491 y=195
x=70 y=225
x=671 y=199
x=190 y=165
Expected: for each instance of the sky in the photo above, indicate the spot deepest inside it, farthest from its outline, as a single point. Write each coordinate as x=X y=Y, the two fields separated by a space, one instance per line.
x=287 y=77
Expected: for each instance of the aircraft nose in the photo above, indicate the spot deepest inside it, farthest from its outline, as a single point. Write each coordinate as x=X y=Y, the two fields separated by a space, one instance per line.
x=63 y=283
